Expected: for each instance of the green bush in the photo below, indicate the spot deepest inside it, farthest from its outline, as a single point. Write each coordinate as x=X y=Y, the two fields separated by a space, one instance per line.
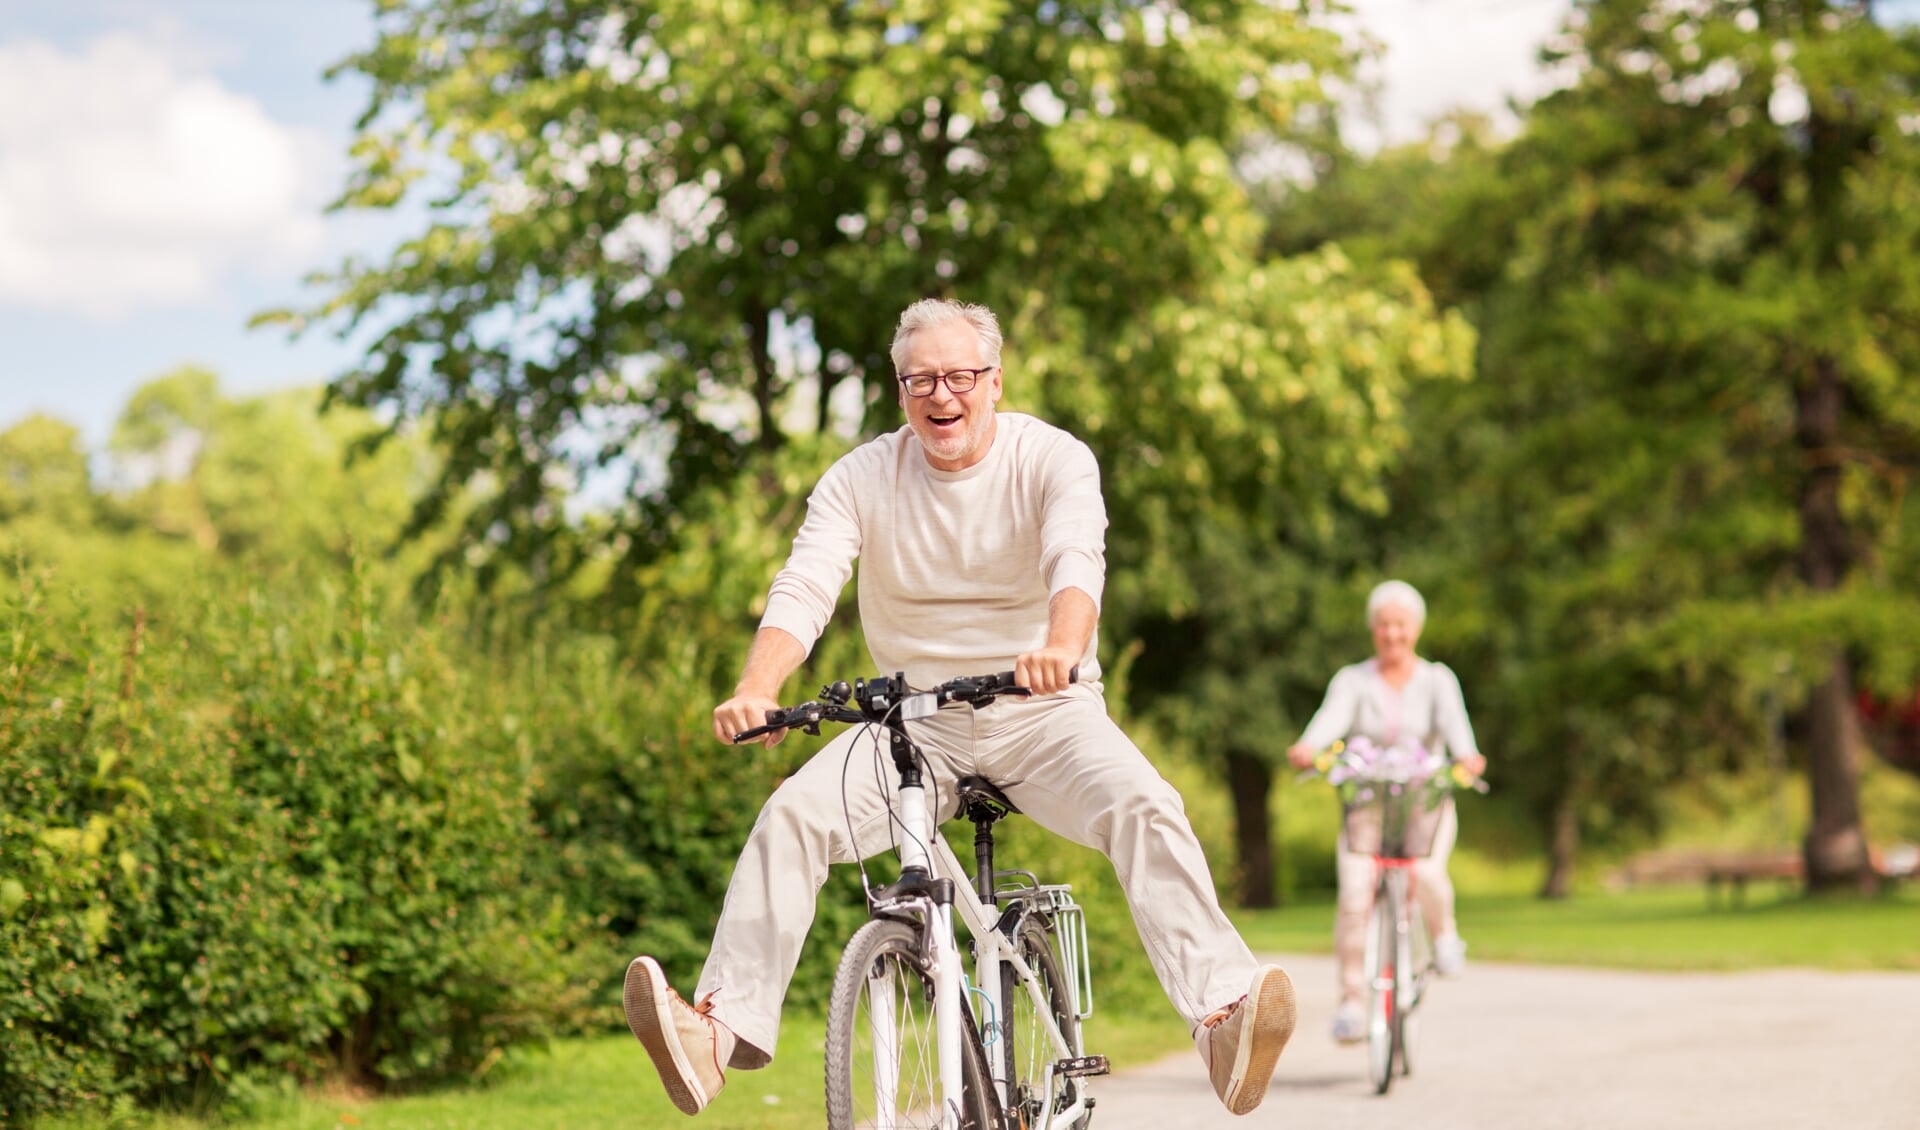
x=405 y=831
x=645 y=813
x=287 y=843
x=67 y=812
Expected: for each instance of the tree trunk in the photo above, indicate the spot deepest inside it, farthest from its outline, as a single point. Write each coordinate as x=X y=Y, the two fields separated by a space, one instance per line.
x=1836 y=844
x=1250 y=779
x=759 y=328
x=1564 y=846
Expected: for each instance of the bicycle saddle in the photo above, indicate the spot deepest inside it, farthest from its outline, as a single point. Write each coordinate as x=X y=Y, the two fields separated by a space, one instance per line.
x=981 y=801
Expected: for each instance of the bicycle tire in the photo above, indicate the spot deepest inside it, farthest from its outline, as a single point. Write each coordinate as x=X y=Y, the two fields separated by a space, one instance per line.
x=1405 y=994
x=1026 y=1050
x=1383 y=1028
x=858 y=1076
x=1420 y=963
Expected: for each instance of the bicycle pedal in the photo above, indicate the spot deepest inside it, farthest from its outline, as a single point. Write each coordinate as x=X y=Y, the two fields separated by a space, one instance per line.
x=1082 y=1065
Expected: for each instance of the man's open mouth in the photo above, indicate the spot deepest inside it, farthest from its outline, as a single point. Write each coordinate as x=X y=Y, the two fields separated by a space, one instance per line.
x=943 y=421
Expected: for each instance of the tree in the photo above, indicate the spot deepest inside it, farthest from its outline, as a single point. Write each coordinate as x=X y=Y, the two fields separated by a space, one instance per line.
x=262 y=478
x=664 y=222
x=1697 y=312
x=43 y=472
x=1246 y=441
x=685 y=231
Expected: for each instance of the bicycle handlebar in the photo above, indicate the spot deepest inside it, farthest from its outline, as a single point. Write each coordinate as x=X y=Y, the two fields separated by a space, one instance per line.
x=879 y=698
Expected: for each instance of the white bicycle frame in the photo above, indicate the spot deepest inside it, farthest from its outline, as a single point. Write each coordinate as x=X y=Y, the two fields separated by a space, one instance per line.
x=992 y=950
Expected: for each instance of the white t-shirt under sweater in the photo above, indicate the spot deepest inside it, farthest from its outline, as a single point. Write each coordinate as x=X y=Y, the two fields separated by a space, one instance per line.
x=957 y=568
x=1429 y=710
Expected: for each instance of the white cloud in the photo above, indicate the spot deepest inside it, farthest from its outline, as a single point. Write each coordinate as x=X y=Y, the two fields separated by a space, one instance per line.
x=129 y=182
x=1441 y=55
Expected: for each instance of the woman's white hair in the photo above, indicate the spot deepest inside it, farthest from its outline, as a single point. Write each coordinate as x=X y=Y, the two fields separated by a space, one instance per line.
x=1396 y=592
x=930 y=312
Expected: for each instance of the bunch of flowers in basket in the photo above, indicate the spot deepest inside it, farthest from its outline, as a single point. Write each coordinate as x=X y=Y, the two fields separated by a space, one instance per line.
x=1357 y=768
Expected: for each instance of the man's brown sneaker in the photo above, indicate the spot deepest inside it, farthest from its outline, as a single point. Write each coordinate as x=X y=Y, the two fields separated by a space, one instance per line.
x=1241 y=1043
x=689 y=1047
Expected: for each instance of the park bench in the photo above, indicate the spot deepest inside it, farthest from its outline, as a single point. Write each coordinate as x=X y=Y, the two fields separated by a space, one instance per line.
x=1726 y=872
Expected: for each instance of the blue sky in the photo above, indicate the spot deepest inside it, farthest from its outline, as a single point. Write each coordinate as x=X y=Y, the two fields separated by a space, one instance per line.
x=165 y=165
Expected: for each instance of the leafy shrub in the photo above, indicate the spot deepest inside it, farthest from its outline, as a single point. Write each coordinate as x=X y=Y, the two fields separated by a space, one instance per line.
x=285 y=845
x=65 y=812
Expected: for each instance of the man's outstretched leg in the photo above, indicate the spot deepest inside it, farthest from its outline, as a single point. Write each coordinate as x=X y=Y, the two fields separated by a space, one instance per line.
x=769 y=907
x=1081 y=777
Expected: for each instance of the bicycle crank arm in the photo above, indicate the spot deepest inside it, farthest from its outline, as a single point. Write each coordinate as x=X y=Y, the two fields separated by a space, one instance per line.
x=1081 y=1066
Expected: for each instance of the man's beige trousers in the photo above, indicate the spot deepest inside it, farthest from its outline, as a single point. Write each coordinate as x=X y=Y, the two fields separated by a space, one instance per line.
x=1062 y=761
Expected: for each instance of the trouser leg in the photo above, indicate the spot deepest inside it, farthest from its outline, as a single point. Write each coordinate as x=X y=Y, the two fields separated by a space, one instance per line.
x=1431 y=885
x=1075 y=773
x=802 y=828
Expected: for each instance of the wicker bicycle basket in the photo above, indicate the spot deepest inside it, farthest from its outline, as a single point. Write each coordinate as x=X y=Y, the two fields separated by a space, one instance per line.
x=1393 y=820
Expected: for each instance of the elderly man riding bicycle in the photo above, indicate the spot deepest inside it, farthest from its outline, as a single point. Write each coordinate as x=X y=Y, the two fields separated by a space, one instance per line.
x=981 y=541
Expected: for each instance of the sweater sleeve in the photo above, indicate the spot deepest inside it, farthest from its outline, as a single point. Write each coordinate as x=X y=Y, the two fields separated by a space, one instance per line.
x=1337 y=714
x=804 y=592
x=1073 y=536
x=1450 y=714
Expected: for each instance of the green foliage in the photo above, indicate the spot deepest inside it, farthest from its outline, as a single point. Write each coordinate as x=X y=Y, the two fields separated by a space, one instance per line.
x=400 y=826
x=670 y=215
x=43 y=472
x=68 y=815
x=282 y=844
x=262 y=478
x=1633 y=530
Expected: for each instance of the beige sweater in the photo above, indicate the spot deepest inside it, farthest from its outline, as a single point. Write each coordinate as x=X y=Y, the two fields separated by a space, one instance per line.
x=956 y=567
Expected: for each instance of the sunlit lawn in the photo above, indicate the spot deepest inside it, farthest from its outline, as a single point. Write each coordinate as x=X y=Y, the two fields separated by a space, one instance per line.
x=1658 y=928
x=606 y=1082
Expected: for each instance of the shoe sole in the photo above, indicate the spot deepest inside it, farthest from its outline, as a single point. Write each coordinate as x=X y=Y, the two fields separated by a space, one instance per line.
x=650 y=1018
x=1267 y=1024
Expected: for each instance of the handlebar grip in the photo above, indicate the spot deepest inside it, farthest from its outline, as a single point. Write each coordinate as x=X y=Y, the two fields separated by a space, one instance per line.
x=776 y=720
x=1005 y=678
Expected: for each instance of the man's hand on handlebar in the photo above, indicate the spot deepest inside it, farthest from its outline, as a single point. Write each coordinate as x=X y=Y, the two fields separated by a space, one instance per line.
x=1300 y=755
x=1047 y=671
x=744 y=712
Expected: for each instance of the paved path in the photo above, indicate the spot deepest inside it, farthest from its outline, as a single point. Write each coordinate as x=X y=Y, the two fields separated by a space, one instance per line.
x=1512 y=1047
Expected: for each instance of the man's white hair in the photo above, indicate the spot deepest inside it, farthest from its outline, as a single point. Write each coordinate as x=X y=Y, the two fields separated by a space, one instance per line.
x=930 y=312
x=1400 y=593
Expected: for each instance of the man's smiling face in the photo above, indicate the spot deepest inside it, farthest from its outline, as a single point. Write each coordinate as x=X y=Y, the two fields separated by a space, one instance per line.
x=956 y=429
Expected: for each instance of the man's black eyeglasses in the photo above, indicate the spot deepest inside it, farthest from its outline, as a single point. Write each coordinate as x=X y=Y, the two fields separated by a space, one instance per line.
x=958 y=381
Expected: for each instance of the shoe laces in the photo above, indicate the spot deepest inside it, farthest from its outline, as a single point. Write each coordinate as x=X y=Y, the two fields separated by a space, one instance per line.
x=1219 y=1015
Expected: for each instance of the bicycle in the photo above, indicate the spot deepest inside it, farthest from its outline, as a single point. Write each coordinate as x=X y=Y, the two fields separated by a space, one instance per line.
x=1392 y=810
x=905 y=1050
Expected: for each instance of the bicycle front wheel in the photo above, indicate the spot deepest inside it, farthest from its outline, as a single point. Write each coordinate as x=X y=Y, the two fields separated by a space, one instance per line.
x=1417 y=958
x=883 y=1050
x=1383 y=1008
x=1027 y=1042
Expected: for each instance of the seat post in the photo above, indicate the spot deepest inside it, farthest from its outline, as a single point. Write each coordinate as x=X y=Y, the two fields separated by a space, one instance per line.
x=983 y=859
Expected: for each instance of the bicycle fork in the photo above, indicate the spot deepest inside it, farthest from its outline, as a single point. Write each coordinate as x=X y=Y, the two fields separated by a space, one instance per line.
x=916 y=858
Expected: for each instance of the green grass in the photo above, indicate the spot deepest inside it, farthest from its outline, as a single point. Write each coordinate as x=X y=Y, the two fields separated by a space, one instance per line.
x=1658 y=928
x=607 y=1083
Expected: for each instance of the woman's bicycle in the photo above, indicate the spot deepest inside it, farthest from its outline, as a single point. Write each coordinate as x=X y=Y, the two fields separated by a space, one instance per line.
x=912 y=1041
x=1392 y=800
